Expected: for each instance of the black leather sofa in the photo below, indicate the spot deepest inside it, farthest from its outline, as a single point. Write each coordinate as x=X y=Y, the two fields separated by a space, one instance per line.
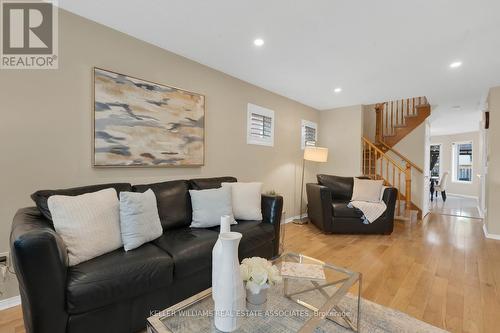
x=327 y=207
x=117 y=291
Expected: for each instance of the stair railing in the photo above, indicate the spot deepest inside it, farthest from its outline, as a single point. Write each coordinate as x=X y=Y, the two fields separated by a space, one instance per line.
x=402 y=157
x=393 y=114
x=378 y=165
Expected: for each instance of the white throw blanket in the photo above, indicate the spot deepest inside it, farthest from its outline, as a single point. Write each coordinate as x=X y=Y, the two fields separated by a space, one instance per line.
x=371 y=210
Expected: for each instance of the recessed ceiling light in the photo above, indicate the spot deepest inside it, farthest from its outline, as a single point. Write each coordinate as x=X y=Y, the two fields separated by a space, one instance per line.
x=258 y=42
x=456 y=64
x=337 y=90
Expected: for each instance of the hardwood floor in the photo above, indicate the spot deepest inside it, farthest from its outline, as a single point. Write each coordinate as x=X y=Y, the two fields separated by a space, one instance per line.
x=11 y=320
x=441 y=270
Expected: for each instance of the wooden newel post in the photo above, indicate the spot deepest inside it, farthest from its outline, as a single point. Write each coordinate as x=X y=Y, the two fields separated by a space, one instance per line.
x=408 y=186
x=378 y=126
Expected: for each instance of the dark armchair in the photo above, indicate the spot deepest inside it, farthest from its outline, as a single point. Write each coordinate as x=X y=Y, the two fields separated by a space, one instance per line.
x=327 y=208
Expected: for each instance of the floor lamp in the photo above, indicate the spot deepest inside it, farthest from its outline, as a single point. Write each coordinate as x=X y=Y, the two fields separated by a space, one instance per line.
x=314 y=154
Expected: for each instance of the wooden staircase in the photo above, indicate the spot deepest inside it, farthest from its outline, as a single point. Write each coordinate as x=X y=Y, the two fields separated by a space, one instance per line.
x=377 y=164
x=396 y=119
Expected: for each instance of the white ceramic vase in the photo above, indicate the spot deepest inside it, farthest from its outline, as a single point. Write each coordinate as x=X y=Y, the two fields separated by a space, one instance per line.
x=228 y=291
x=225 y=226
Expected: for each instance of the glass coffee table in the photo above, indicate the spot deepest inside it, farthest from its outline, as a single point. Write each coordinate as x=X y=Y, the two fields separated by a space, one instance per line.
x=296 y=305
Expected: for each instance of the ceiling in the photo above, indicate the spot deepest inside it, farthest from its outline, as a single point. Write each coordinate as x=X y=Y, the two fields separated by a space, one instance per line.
x=375 y=50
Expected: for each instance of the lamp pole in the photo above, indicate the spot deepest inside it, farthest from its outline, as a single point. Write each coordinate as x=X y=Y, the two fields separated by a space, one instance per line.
x=315 y=154
x=300 y=220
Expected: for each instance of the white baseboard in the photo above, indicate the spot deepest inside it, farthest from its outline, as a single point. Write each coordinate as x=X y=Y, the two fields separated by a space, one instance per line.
x=291 y=219
x=10 y=302
x=463 y=196
x=488 y=235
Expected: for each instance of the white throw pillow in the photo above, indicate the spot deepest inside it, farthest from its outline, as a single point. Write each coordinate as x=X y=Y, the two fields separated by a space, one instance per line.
x=209 y=206
x=246 y=200
x=367 y=190
x=89 y=224
x=139 y=219
x=382 y=190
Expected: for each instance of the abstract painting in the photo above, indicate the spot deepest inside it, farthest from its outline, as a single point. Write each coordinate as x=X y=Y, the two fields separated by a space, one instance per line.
x=139 y=123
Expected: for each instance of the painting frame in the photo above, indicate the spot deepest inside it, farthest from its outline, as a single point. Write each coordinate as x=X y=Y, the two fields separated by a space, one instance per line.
x=161 y=165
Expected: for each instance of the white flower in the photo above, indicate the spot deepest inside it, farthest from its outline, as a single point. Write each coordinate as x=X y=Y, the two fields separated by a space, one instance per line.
x=258 y=275
x=260 y=272
x=274 y=275
x=245 y=272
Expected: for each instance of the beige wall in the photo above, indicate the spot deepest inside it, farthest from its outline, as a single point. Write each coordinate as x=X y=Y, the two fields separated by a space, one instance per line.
x=369 y=122
x=492 y=219
x=340 y=130
x=46 y=125
x=446 y=142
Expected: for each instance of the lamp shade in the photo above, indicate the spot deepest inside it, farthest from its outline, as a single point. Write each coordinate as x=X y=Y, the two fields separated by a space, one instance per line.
x=316 y=154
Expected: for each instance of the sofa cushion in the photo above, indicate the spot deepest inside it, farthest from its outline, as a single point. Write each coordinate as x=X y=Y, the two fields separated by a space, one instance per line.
x=40 y=197
x=341 y=187
x=117 y=276
x=174 y=204
x=247 y=200
x=255 y=235
x=340 y=209
x=208 y=183
x=139 y=220
x=89 y=224
x=190 y=248
x=209 y=206
x=367 y=190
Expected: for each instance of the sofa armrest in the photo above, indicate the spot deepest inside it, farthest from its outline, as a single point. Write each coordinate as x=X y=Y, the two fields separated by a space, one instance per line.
x=40 y=261
x=319 y=206
x=272 y=207
x=389 y=198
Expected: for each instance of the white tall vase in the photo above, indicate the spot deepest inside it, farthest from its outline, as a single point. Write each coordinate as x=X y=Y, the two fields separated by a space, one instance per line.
x=225 y=226
x=228 y=291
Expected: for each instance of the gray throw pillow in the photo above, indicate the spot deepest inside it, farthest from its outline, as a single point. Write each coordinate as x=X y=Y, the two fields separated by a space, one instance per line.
x=139 y=219
x=210 y=205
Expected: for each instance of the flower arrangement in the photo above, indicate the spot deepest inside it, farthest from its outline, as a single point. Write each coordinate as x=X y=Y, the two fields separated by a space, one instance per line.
x=259 y=274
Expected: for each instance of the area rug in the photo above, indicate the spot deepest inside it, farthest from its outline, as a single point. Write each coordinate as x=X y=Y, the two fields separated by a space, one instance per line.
x=283 y=315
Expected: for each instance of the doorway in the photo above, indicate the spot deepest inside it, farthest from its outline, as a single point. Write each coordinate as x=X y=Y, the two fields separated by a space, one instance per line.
x=455 y=205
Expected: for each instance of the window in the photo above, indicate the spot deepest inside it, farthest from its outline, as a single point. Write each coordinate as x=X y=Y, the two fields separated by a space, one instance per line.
x=260 y=125
x=435 y=160
x=462 y=162
x=309 y=134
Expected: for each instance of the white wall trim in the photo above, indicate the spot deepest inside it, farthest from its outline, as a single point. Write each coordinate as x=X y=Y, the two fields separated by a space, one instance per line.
x=291 y=219
x=488 y=235
x=10 y=302
x=463 y=196
x=481 y=212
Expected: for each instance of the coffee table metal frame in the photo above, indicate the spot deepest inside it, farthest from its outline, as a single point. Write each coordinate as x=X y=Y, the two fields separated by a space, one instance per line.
x=331 y=305
x=329 y=311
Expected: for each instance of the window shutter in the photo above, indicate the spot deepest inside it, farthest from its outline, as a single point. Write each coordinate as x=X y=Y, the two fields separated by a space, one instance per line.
x=261 y=126
x=310 y=136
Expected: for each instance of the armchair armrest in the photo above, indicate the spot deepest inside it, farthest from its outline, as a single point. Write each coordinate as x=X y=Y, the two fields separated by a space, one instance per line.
x=40 y=261
x=272 y=207
x=389 y=198
x=319 y=206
